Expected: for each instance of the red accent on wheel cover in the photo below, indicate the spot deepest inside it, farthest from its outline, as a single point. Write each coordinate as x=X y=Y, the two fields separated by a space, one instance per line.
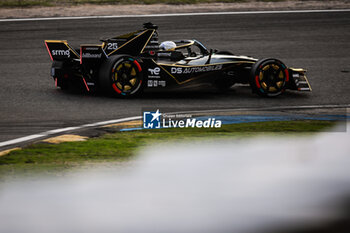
x=116 y=88
x=257 y=81
x=287 y=75
x=138 y=65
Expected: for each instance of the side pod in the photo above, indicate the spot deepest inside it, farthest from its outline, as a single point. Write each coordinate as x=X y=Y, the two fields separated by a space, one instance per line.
x=60 y=50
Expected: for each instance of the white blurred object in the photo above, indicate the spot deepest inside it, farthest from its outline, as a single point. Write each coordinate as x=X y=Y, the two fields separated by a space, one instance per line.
x=167 y=45
x=230 y=186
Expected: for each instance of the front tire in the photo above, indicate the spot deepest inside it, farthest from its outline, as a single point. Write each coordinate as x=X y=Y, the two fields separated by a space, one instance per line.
x=268 y=77
x=121 y=75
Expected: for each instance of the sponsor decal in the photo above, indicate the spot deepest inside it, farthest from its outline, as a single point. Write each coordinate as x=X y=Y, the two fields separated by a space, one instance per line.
x=154 y=42
x=60 y=53
x=164 y=54
x=89 y=55
x=153 y=76
x=91 y=48
x=152 y=47
x=191 y=70
x=231 y=73
x=154 y=71
x=156 y=83
x=156 y=120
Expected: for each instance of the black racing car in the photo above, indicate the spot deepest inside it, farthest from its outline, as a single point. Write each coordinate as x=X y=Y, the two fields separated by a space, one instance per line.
x=126 y=65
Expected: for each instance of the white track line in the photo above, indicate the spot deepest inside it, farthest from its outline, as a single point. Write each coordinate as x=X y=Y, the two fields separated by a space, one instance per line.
x=175 y=14
x=271 y=108
x=101 y=123
x=55 y=131
x=22 y=139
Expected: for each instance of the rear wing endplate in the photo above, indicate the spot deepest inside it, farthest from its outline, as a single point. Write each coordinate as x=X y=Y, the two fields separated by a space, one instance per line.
x=60 y=50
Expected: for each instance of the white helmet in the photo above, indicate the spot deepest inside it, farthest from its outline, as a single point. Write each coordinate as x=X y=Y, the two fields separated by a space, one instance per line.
x=167 y=45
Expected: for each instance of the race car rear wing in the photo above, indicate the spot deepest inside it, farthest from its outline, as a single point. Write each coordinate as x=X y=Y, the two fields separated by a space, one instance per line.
x=60 y=50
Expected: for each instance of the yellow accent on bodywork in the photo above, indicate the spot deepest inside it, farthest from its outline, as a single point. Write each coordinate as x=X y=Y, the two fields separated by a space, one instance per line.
x=185 y=45
x=189 y=66
x=65 y=43
x=149 y=38
x=213 y=64
x=127 y=42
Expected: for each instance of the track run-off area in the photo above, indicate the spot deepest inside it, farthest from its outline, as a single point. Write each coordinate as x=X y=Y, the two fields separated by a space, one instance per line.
x=30 y=104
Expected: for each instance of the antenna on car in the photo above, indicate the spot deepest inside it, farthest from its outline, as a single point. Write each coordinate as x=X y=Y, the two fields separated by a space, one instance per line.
x=209 y=58
x=150 y=25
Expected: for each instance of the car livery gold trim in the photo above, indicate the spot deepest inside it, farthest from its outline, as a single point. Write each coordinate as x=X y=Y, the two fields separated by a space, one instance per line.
x=64 y=42
x=127 y=42
x=184 y=45
x=189 y=66
x=148 y=40
x=212 y=64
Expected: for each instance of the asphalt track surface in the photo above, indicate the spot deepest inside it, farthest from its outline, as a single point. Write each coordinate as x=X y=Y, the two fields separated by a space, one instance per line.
x=29 y=102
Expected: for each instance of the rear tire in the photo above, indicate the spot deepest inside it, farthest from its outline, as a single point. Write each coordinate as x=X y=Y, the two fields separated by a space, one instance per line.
x=268 y=77
x=121 y=75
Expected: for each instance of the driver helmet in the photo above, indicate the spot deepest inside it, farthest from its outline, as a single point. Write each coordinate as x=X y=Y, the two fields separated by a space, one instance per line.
x=167 y=45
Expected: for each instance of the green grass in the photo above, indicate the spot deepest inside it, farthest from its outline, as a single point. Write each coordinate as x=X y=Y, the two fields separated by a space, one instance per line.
x=122 y=146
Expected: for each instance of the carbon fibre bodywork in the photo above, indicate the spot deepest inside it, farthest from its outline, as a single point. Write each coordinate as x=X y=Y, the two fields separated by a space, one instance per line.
x=127 y=64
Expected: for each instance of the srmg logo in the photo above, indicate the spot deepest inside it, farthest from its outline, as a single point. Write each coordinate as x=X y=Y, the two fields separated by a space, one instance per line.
x=151 y=120
x=61 y=53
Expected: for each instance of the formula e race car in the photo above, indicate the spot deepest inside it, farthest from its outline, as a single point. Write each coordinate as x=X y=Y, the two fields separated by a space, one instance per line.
x=126 y=65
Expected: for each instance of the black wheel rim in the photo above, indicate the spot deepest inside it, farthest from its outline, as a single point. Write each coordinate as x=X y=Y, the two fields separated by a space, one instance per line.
x=126 y=77
x=270 y=78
